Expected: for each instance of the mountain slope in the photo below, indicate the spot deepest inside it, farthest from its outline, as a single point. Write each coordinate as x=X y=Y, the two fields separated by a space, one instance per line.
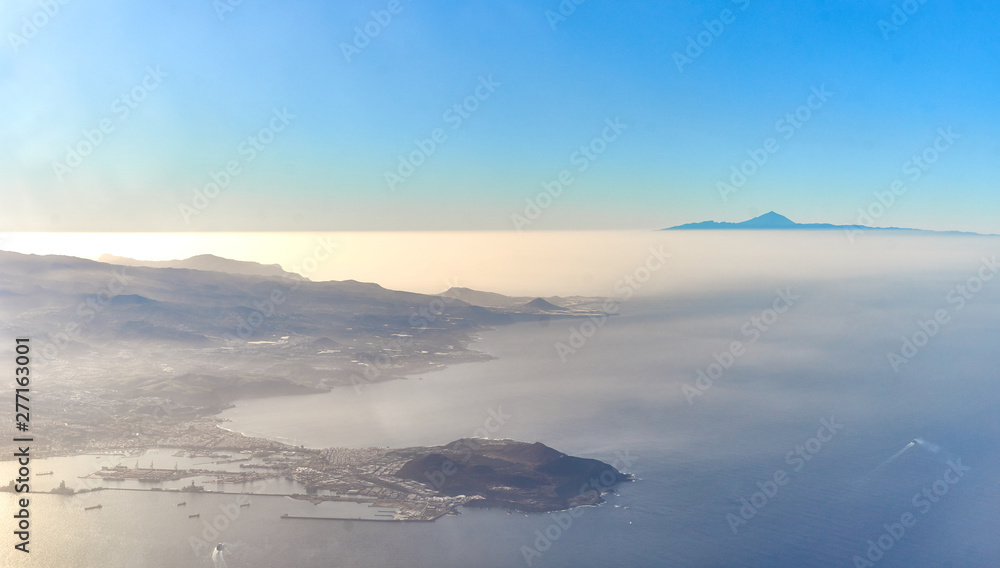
x=134 y=330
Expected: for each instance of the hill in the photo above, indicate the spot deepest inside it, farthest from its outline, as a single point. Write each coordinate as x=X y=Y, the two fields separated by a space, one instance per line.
x=510 y=474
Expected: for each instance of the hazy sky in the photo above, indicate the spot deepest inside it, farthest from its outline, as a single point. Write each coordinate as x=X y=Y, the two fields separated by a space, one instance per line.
x=532 y=88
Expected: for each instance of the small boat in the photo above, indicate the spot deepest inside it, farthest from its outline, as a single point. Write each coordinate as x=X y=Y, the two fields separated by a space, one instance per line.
x=98 y=506
x=45 y=473
x=182 y=503
x=245 y=505
x=194 y=516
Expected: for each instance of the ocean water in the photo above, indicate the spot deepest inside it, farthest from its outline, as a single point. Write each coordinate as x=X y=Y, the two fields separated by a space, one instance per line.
x=812 y=401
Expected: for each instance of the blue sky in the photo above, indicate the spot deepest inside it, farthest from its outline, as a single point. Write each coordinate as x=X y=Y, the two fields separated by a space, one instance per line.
x=212 y=81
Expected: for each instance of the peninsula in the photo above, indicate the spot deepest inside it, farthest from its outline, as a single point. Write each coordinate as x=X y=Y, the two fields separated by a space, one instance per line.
x=143 y=355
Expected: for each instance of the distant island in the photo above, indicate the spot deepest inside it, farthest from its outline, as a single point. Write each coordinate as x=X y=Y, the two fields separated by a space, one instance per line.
x=772 y=221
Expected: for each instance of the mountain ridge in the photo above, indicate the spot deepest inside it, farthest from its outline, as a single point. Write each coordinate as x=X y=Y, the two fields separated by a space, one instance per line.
x=772 y=221
x=208 y=262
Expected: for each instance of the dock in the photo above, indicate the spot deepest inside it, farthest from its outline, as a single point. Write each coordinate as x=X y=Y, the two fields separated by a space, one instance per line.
x=393 y=520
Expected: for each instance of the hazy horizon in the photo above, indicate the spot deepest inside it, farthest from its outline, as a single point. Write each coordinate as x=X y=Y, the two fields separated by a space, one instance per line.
x=537 y=263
